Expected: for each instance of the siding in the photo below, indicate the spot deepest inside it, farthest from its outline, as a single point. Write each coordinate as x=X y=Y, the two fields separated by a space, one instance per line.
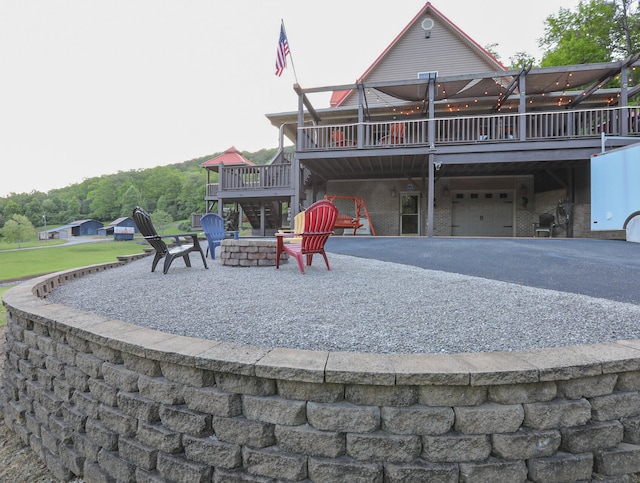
x=447 y=51
x=444 y=52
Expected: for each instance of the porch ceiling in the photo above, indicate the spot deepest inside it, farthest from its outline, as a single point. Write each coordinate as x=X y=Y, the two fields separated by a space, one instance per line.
x=369 y=166
x=506 y=169
x=417 y=166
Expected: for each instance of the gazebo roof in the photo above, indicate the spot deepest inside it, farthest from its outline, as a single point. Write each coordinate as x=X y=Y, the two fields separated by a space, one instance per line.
x=230 y=157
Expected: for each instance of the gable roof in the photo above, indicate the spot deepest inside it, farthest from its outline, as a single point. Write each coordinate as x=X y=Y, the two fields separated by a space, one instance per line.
x=117 y=221
x=82 y=222
x=433 y=49
x=230 y=157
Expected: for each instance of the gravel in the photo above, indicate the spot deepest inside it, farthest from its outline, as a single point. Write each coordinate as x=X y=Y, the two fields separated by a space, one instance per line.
x=361 y=305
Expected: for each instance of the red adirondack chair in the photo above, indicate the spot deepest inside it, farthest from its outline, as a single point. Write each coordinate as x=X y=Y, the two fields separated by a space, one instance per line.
x=319 y=221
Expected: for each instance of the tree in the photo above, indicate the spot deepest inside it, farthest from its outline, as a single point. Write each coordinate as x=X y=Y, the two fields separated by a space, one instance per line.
x=161 y=219
x=591 y=34
x=162 y=181
x=105 y=203
x=193 y=192
x=492 y=49
x=629 y=31
x=168 y=205
x=17 y=229
x=11 y=208
x=520 y=60
x=72 y=211
x=130 y=200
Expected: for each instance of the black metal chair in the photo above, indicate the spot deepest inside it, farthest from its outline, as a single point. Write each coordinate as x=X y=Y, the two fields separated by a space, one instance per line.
x=546 y=224
x=143 y=221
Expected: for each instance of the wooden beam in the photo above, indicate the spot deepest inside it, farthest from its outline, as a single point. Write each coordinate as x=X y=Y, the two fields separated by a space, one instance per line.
x=515 y=82
x=307 y=103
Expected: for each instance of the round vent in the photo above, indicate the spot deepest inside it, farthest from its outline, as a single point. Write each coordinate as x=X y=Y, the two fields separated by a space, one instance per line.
x=427 y=24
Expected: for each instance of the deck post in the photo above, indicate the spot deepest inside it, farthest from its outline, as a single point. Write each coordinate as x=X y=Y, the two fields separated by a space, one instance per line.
x=522 y=108
x=296 y=182
x=431 y=128
x=430 y=195
x=361 y=101
x=624 y=101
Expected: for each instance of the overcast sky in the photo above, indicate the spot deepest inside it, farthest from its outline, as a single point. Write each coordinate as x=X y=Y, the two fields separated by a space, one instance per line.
x=93 y=87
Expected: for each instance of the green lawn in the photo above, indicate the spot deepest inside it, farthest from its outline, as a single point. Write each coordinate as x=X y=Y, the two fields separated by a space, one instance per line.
x=24 y=263
x=31 y=262
x=30 y=244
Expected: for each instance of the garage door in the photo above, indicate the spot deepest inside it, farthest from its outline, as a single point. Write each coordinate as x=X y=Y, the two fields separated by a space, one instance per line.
x=482 y=213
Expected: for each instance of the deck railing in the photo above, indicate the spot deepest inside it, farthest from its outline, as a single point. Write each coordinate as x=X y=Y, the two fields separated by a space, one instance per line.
x=567 y=124
x=613 y=121
x=232 y=178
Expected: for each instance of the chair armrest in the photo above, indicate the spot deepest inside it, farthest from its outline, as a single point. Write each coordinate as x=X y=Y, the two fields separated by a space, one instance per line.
x=193 y=236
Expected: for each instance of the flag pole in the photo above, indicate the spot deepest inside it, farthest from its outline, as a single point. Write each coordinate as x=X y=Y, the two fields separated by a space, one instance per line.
x=293 y=67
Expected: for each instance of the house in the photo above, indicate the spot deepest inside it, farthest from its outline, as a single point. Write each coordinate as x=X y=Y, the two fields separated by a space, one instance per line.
x=439 y=139
x=75 y=228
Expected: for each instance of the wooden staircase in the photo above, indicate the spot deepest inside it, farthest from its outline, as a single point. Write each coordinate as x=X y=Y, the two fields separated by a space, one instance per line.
x=272 y=214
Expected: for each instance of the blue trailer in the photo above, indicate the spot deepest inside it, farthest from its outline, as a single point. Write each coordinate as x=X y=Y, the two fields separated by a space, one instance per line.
x=615 y=191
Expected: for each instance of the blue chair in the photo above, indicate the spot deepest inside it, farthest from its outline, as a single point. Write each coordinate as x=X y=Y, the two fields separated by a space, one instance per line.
x=213 y=228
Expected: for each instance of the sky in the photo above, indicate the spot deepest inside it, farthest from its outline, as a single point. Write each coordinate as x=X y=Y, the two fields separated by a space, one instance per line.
x=94 y=87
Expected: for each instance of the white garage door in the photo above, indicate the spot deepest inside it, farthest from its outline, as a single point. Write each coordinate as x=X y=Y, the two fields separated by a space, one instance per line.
x=482 y=213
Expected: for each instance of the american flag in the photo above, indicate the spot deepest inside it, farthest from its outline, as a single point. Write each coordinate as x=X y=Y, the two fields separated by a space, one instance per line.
x=283 y=51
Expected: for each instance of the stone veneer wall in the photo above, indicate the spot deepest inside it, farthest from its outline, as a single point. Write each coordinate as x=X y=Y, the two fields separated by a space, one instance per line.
x=109 y=401
x=250 y=252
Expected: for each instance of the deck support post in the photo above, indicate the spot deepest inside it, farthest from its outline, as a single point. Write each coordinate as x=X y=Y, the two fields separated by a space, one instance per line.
x=430 y=196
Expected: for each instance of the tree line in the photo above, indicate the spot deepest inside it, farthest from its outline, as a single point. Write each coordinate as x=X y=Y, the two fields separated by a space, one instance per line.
x=176 y=189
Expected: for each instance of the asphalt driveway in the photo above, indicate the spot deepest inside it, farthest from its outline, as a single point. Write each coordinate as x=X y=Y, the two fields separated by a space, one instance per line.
x=608 y=269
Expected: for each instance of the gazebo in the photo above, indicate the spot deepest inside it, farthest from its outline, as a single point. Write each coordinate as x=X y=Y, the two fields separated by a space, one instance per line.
x=231 y=157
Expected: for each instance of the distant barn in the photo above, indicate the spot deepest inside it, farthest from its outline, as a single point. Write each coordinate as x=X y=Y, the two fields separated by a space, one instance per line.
x=75 y=228
x=122 y=229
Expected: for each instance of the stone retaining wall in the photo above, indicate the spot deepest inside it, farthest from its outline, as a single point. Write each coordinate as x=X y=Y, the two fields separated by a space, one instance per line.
x=109 y=401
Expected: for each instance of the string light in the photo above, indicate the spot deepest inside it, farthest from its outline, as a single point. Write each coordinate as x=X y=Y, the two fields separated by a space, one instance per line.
x=497 y=95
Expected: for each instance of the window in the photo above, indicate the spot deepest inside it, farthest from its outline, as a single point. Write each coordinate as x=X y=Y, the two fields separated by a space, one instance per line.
x=428 y=75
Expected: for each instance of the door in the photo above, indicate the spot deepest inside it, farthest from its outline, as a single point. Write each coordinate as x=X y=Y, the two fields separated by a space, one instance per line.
x=410 y=214
x=482 y=213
